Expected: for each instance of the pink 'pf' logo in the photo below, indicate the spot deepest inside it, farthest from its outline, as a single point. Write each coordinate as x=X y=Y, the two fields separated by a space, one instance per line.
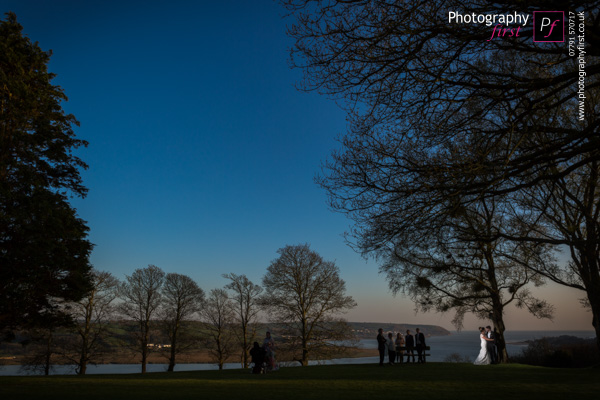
x=548 y=26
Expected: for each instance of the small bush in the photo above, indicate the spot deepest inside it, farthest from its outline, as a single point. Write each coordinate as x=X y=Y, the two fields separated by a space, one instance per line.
x=457 y=358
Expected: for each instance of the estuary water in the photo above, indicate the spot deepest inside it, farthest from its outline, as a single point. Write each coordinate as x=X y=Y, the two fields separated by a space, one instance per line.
x=464 y=343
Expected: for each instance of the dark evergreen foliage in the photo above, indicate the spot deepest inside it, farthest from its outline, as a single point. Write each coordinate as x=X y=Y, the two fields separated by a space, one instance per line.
x=44 y=248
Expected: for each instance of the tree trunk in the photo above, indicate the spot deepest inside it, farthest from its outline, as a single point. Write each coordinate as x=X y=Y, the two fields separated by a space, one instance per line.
x=145 y=338
x=498 y=321
x=83 y=356
x=144 y=360
x=304 y=360
x=220 y=360
x=589 y=253
x=48 y=355
x=589 y=266
x=245 y=346
x=83 y=361
x=172 y=358
x=593 y=294
x=144 y=349
x=596 y=324
x=500 y=341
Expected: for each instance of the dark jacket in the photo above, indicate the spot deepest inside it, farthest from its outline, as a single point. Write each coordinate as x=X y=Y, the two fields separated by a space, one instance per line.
x=421 y=338
x=258 y=355
x=410 y=341
x=381 y=342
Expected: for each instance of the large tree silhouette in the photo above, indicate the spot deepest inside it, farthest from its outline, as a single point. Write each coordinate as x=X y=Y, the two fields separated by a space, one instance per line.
x=246 y=297
x=441 y=118
x=141 y=294
x=306 y=294
x=182 y=299
x=44 y=248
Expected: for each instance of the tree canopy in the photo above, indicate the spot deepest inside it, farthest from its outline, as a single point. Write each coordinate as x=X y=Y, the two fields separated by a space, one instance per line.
x=403 y=70
x=306 y=293
x=442 y=119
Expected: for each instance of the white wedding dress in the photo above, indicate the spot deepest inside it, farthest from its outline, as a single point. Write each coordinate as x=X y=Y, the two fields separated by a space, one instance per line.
x=483 y=358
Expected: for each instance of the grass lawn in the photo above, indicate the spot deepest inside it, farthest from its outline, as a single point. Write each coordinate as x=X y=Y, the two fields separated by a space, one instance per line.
x=414 y=382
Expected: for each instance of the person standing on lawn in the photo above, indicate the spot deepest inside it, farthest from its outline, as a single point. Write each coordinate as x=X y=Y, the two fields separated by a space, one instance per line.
x=391 y=348
x=399 y=344
x=381 y=346
x=420 y=345
x=410 y=344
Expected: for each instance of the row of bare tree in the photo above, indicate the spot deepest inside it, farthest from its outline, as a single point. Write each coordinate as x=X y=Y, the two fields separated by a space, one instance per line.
x=303 y=295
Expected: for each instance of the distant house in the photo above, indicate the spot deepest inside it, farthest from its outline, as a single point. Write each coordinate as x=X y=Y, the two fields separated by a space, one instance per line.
x=158 y=346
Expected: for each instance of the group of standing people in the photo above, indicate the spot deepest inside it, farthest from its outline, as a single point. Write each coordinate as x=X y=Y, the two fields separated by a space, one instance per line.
x=264 y=357
x=488 y=353
x=401 y=345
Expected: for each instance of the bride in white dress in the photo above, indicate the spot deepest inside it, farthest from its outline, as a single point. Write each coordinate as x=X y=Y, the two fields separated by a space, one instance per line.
x=483 y=358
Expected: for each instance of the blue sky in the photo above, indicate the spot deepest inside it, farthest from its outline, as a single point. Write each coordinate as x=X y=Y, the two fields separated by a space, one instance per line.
x=202 y=152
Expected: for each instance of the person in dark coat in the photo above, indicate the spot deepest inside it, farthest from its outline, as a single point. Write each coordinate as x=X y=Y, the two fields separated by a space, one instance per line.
x=258 y=358
x=491 y=344
x=381 y=346
x=410 y=344
x=420 y=345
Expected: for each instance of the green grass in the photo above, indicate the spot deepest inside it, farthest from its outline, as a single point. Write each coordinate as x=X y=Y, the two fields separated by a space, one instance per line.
x=414 y=382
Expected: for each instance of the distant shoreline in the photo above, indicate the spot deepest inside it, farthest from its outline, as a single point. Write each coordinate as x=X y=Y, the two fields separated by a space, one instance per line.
x=197 y=357
x=368 y=330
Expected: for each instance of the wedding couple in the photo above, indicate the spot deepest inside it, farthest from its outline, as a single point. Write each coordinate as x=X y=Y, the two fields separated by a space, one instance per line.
x=487 y=354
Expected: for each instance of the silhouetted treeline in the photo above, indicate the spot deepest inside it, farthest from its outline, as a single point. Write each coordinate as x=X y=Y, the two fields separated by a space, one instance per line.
x=152 y=312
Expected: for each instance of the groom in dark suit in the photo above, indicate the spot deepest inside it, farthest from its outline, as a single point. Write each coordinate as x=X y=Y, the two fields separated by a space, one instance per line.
x=420 y=345
x=491 y=344
x=381 y=346
x=409 y=342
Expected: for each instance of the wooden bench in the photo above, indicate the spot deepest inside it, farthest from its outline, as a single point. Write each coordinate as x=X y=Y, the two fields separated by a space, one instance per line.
x=414 y=350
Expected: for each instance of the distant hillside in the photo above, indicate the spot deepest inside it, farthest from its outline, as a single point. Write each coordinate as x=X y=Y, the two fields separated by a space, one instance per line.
x=368 y=330
x=563 y=340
